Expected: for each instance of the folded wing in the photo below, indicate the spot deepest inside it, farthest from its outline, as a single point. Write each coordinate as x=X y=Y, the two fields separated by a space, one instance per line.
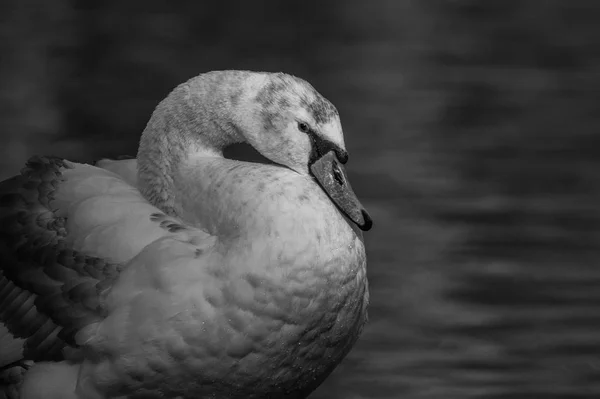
x=66 y=232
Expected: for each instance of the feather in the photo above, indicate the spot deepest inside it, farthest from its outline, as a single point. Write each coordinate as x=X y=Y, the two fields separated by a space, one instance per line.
x=181 y=273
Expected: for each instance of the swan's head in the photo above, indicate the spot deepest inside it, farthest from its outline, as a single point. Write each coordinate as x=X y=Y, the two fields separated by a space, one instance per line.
x=290 y=123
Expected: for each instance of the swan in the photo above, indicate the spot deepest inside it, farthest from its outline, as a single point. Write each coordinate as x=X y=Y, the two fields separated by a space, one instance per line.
x=181 y=273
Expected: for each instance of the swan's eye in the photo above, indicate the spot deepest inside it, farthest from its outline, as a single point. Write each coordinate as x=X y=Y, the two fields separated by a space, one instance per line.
x=303 y=127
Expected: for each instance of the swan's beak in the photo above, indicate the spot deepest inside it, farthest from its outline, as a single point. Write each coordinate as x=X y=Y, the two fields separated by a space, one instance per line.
x=331 y=176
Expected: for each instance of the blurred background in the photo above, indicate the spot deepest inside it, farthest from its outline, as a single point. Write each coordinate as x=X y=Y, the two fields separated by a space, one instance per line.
x=472 y=128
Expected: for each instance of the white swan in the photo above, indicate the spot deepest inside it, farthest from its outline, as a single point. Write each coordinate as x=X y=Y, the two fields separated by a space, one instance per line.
x=217 y=279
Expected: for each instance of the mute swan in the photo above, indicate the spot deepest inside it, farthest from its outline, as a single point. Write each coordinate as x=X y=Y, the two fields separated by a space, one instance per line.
x=214 y=278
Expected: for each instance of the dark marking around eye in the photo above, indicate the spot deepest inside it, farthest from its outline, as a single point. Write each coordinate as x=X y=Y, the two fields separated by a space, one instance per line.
x=321 y=146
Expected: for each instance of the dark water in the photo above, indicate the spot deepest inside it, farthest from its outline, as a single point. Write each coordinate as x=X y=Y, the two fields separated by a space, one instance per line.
x=472 y=129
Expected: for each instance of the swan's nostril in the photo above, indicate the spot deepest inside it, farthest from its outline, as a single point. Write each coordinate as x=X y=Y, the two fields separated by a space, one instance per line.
x=337 y=174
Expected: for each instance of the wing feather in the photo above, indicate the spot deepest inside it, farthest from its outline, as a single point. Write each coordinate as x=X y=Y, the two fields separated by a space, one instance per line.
x=48 y=291
x=36 y=303
x=66 y=232
x=126 y=168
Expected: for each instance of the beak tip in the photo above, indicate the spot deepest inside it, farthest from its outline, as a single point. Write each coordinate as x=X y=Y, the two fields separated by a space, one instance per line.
x=367 y=223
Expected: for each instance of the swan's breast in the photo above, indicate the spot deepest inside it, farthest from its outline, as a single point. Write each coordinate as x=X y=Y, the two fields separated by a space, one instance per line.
x=291 y=292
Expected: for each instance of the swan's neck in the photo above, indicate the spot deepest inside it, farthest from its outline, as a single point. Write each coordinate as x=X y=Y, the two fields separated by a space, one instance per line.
x=268 y=215
x=199 y=118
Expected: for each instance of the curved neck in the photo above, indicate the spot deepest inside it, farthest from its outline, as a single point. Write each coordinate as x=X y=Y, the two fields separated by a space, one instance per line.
x=268 y=215
x=199 y=117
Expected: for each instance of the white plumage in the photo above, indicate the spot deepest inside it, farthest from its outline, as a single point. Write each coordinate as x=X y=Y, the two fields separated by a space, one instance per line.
x=182 y=273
